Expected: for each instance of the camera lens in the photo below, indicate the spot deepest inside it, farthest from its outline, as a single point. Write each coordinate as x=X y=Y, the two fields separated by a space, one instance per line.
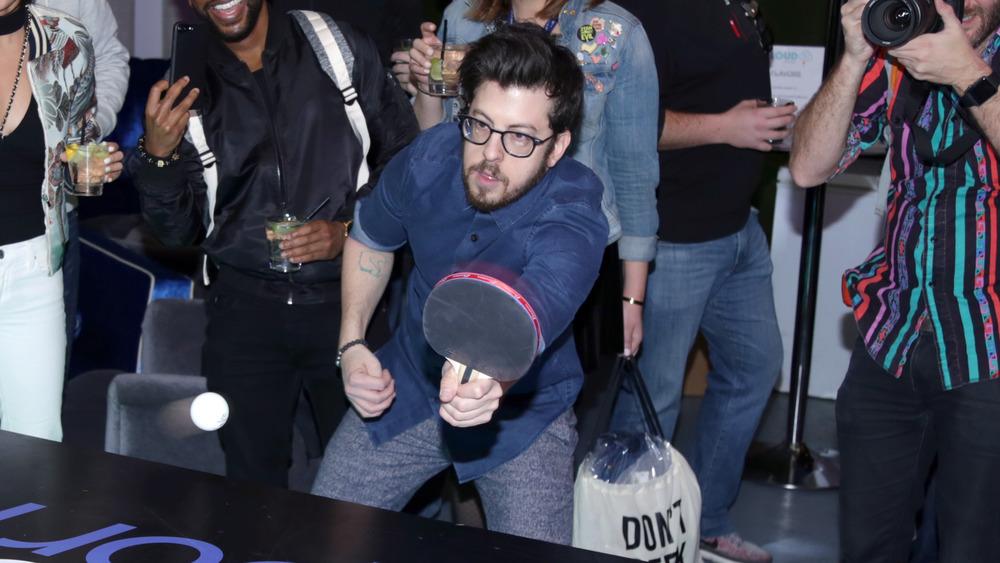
x=898 y=17
x=893 y=22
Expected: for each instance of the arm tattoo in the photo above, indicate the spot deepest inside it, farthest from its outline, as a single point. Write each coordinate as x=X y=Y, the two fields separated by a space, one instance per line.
x=373 y=263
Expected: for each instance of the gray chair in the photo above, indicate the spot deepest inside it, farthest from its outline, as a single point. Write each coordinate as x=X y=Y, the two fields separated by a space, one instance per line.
x=138 y=425
x=147 y=416
x=145 y=420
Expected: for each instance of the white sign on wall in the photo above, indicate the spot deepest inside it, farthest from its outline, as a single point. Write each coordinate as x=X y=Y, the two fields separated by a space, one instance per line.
x=796 y=75
x=796 y=72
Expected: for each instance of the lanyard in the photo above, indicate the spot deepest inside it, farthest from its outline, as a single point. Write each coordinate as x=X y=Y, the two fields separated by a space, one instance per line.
x=549 y=25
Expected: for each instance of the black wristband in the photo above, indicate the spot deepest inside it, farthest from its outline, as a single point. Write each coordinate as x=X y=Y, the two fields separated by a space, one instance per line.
x=632 y=301
x=156 y=161
x=340 y=353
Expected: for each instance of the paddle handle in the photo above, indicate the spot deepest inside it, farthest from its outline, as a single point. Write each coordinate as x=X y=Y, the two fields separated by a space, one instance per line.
x=468 y=374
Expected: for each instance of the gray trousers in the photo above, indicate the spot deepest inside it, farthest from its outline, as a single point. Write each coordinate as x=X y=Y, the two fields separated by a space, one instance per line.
x=529 y=496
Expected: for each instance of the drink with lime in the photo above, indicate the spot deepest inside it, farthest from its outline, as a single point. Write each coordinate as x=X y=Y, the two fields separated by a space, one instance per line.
x=87 y=168
x=277 y=229
x=443 y=77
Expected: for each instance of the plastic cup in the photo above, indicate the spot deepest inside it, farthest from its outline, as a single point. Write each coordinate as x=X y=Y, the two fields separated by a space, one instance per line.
x=777 y=102
x=87 y=168
x=277 y=229
x=443 y=77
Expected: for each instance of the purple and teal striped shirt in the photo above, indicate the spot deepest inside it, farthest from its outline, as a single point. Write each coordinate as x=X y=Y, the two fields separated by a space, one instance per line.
x=939 y=260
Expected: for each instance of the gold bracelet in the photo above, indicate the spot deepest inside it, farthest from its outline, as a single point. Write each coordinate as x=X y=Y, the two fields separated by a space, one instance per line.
x=632 y=301
x=347 y=227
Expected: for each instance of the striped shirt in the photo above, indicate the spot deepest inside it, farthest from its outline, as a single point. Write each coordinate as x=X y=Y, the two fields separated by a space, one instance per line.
x=939 y=261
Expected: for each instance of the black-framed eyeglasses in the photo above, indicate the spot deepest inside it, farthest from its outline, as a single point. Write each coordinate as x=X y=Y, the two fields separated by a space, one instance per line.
x=517 y=144
x=752 y=11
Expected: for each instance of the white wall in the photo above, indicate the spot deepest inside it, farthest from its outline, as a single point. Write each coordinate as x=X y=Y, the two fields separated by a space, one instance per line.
x=851 y=229
x=145 y=26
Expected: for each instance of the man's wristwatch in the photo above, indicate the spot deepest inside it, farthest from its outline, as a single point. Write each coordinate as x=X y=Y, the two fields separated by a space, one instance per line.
x=981 y=90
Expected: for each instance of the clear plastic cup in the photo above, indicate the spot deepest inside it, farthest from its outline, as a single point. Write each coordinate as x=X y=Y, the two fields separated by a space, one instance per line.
x=443 y=77
x=87 y=168
x=277 y=229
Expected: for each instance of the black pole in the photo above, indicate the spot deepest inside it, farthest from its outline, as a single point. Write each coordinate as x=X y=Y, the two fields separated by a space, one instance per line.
x=805 y=313
x=791 y=464
x=812 y=238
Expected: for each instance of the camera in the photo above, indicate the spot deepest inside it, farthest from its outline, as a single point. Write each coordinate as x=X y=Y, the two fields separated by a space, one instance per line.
x=891 y=23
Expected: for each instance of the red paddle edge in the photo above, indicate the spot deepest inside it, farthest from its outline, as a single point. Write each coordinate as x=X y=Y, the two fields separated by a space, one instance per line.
x=507 y=289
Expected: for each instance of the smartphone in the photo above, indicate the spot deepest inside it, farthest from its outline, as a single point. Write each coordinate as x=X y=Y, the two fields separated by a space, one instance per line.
x=187 y=57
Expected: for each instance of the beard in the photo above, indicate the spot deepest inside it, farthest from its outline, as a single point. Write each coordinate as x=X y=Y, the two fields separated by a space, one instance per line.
x=990 y=18
x=476 y=197
x=238 y=34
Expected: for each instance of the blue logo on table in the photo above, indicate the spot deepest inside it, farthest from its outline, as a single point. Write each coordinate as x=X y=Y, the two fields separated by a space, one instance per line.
x=100 y=550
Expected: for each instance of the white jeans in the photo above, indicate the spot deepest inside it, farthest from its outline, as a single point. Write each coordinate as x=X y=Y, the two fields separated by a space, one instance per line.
x=32 y=341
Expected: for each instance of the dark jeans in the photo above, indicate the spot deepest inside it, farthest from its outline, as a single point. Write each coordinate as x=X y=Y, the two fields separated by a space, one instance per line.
x=890 y=431
x=260 y=353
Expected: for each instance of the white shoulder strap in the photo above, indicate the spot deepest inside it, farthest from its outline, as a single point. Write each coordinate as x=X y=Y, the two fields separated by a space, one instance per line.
x=196 y=135
x=332 y=60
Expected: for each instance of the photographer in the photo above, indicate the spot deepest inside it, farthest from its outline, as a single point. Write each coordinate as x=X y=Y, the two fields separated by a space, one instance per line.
x=923 y=380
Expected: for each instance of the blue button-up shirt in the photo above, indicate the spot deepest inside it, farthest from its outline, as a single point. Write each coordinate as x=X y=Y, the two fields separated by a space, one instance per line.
x=547 y=245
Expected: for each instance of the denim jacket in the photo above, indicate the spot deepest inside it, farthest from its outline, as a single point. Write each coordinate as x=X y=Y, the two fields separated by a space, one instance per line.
x=619 y=133
x=62 y=82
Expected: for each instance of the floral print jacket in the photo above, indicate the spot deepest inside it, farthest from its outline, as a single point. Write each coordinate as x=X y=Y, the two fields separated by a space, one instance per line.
x=61 y=68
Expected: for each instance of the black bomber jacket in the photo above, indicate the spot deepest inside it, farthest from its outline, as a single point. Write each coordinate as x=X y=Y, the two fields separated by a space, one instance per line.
x=279 y=135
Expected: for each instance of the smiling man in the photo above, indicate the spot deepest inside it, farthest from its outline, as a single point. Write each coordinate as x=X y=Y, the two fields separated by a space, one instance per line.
x=923 y=384
x=275 y=135
x=492 y=194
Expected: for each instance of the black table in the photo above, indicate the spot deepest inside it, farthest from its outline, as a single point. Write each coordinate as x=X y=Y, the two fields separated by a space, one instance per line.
x=69 y=504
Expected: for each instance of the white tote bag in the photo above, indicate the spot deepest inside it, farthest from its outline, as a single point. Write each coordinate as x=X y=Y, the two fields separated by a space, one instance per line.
x=649 y=510
x=653 y=521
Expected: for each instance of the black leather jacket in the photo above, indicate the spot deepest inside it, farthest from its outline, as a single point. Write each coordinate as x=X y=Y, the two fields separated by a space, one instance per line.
x=280 y=135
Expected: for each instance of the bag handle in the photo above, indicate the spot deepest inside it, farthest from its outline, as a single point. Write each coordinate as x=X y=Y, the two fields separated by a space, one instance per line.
x=627 y=370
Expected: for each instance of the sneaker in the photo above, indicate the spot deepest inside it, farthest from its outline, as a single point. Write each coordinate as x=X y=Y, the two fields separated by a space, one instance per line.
x=731 y=548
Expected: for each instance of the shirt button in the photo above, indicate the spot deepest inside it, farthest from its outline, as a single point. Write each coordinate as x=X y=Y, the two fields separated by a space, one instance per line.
x=897 y=121
x=474 y=238
x=933 y=239
x=930 y=283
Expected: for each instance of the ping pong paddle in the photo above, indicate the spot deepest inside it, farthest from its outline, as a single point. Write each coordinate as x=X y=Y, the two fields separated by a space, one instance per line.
x=479 y=323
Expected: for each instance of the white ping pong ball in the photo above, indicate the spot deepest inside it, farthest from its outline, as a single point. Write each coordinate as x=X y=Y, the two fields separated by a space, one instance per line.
x=209 y=411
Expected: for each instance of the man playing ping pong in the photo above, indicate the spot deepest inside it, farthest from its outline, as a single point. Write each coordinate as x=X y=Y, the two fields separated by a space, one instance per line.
x=491 y=194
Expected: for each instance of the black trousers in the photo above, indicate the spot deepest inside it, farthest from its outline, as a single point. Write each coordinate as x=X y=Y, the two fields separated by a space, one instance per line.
x=260 y=353
x=890 y=431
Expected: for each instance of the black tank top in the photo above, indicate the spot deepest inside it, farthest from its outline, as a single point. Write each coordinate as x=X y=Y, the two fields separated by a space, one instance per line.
x=22 y=159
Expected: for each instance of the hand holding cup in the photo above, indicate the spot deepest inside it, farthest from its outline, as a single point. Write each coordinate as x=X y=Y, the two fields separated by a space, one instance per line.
x=421 y=53
x=277 y=229
x=781 y=130
x=91 y=165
